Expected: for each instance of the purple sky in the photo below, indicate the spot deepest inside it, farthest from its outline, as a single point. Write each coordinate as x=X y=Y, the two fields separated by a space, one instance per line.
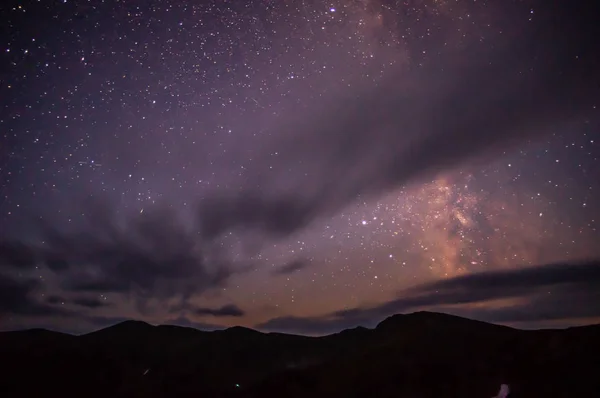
x=297 y=165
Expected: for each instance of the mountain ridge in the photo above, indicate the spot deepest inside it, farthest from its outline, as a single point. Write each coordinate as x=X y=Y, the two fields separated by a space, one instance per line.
x=399 y=357
x=428 y=317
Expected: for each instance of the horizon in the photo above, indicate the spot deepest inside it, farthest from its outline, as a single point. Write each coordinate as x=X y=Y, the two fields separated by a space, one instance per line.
x=371 y=328
x=398 y=356
x=299 y=167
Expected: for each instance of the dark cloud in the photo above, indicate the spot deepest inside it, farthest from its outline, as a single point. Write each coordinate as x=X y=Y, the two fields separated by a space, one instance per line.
x=226 y=310
x=16 y=254
x=155 y=256
x=14 y=294
x=542 y=309
x=224 y=211
x=291 y=267
x=17 y=298
x=90 y=302
x=513 y=282
x=416 y=124
x=541 y=293
x=54 y=299
x=24 y=255
x=87 y=302
x=55 y=261
x=151 y=255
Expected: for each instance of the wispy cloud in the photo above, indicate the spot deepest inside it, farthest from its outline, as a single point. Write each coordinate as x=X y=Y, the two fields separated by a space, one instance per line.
x=537 y=294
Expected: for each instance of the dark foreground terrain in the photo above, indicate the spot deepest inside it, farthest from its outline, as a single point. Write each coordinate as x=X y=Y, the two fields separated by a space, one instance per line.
x=406 y=356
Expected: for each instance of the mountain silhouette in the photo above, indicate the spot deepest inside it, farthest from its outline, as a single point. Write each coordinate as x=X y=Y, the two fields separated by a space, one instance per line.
x=422 y=355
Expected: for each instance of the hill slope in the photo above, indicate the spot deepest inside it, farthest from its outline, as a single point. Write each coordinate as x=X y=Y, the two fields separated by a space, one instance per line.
x=417 y=355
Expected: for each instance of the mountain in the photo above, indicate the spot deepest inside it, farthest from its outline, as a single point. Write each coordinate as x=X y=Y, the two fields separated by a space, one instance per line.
x=32 y=339
x=422 y=355
x=433 y=320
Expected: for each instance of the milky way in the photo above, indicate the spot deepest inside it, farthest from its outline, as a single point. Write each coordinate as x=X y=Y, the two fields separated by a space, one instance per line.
x=147 y=107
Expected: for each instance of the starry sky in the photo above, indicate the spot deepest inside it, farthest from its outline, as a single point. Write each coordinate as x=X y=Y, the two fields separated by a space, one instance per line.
x=298 y=166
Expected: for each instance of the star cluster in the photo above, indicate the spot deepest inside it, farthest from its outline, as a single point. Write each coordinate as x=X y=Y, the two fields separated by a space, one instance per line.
x=163 y=103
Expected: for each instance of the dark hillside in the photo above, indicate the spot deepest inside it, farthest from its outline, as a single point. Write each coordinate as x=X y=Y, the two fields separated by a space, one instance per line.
x=418 y=355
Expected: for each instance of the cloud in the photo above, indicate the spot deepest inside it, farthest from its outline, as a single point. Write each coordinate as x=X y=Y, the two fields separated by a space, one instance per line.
x=291 y=267
x=226 y=310
x=17 y=298
x=16 y=254
x=54 y=299
x=87 y=302
x=90 y=302
x=153 y=255
x=463 y=108
x=413 y=124
x=542 y=293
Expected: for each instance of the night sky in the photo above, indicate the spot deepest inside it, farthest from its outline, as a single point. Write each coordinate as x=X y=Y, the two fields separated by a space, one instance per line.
x=298 y=166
